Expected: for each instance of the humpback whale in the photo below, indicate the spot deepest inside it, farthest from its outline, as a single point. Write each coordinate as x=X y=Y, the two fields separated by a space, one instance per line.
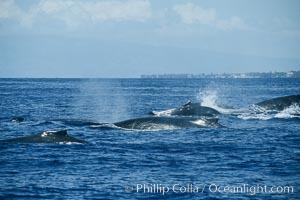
x=165 y=123
x=17 y=119
x=189 y=109
x=14 y=119
x=47 y=137
x=280 y=103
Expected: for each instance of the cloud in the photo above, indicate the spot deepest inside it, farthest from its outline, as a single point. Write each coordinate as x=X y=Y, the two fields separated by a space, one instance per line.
x=8 y=10
x=193 y=14
x=190 y=14
x=75 y=12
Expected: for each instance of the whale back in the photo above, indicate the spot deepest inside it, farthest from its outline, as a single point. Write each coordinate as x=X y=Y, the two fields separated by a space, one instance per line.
x=47 y=137
x=164 y=123
x=280 y=103
x=189 y=109
x=195 y=109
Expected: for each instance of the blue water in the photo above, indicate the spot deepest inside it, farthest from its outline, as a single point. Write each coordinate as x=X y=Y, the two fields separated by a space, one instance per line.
x=252 y=150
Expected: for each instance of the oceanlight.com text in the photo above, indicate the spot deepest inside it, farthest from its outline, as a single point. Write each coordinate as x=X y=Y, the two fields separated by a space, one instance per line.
x=164 y=189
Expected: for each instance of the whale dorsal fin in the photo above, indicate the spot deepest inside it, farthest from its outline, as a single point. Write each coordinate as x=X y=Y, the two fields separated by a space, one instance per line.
x=188 y=103
x=61 y=133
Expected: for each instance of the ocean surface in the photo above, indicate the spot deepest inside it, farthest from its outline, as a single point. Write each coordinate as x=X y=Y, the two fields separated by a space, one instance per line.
x=255 y=151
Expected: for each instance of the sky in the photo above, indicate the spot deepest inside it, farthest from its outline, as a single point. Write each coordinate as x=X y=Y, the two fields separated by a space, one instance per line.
x=127 y=38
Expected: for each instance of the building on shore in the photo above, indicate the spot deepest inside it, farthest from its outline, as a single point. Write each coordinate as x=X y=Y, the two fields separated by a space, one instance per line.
x=289 y=74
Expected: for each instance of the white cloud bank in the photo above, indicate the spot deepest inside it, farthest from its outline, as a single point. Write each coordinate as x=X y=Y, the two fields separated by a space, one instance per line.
x=75 y=12
x=193 y=14
x=80 y=12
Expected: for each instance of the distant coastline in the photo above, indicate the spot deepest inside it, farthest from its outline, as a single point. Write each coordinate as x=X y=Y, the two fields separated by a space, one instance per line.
x=289 y=74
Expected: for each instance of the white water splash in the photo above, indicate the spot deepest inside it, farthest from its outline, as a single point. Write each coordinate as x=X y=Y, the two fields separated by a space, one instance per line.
x=69 y=143
x=47 y=133
x=44 y=134
x=257 y=112
x=210 y=98
x=248 y=116
x=291 y=112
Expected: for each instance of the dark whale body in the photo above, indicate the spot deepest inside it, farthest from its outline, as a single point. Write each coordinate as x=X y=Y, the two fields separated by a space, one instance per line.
x=47 y=137
x=17 y=119
x=165 y=123
x=14 y=119
x=280 y=103
x=189 y=109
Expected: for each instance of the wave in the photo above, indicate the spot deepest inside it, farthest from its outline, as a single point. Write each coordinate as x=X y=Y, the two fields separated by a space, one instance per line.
x=74 y=122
